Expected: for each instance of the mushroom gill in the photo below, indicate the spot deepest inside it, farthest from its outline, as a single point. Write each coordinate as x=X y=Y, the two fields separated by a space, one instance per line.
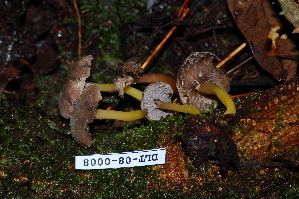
x=153 y=92
x=156 y=102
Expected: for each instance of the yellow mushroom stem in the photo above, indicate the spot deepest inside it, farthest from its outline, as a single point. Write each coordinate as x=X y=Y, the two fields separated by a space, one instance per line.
x=119 y=115
x=137 y=94
x=211 y=88
x=177 y=107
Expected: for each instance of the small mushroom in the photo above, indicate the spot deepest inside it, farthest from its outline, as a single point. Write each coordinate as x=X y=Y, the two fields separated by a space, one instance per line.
x=156 y=91
x=121 y=82
x=74 y=86
x=132 y=66
x=133 y=74
x=197 y=69
x=156 y=102
x=83 y=113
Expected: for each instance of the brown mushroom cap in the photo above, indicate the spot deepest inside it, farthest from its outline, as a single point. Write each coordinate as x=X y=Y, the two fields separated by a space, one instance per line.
x=156 y=91
x=132 y=67
x=84 y=113
x=73 y=88
x=197 y=69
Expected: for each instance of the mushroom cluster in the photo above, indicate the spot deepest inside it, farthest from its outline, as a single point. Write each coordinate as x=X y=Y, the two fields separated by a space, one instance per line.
x=198 y=84
x=79 y=100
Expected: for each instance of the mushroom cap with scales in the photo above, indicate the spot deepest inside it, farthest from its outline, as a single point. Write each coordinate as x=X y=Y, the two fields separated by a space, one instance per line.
x=198 y=68
x=156 y=91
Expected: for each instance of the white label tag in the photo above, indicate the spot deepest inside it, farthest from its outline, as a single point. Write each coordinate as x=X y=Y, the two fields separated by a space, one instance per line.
x=121 y=160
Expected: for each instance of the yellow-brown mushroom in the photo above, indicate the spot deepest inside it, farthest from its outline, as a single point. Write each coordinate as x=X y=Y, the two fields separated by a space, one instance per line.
x=197 y=70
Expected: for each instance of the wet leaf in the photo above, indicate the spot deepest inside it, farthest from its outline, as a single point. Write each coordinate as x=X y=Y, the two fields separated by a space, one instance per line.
x=268 y=34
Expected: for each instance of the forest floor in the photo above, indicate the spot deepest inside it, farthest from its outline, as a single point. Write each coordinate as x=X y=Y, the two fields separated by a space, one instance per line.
x=41 y=40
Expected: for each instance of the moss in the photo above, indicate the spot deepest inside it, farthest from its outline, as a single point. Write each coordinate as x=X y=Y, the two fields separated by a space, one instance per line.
x=50 y=170
x=105 y=19
x=101 y=77
x=137 y=138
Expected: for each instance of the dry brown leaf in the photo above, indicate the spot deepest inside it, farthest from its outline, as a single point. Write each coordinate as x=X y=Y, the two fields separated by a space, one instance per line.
x=267 y=34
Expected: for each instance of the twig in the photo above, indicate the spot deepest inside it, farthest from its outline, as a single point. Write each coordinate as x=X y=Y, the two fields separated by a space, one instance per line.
x=79 y=28
x=231 y=55
x=182 y=9
x=242 y=95
x=239 y=65
x=185 y=13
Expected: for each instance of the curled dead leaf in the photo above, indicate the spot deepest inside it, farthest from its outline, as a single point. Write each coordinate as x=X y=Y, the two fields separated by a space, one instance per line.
x=267 y=34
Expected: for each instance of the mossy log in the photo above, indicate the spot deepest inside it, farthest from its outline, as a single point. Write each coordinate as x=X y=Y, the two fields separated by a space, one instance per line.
x=266 y=132
x=268 y=125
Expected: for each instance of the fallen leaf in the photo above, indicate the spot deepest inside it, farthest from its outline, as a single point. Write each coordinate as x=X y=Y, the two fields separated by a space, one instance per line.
x=267 y=34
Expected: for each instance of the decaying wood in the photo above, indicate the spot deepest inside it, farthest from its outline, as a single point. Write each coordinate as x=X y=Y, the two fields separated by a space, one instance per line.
x=268 y=127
